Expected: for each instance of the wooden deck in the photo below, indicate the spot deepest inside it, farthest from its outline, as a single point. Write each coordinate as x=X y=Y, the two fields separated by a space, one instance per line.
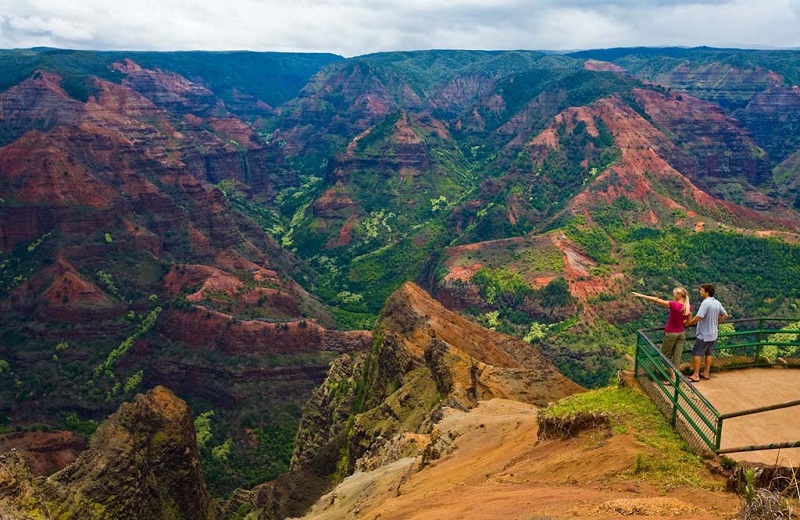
x=736 y=390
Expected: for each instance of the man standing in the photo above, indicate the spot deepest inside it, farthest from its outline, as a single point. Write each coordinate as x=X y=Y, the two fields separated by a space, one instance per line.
x=707 y=319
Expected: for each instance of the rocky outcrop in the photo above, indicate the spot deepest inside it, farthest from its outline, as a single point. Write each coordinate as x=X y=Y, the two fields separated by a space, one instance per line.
x=475 y=356
x=330 y=406
x=424 y=359
x=142 y=463
x=19 y=497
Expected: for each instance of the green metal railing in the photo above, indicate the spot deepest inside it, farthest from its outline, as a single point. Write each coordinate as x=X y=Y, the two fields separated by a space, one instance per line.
x=754 y=342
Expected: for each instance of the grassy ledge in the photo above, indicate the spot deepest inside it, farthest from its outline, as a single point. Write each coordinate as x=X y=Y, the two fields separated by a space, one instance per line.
x=663 y=459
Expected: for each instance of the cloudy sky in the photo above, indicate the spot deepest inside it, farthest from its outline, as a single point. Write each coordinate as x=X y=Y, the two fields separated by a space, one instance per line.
x=353 y=27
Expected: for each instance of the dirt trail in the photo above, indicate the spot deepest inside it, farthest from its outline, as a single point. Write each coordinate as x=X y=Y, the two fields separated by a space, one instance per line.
x=493 y=470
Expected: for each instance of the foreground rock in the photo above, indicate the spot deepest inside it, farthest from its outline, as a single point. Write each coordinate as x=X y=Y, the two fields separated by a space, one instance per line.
x=142 y=463
x=378 y=408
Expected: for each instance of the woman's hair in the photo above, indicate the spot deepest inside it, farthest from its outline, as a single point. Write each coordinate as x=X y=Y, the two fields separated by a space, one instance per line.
x=683 y=297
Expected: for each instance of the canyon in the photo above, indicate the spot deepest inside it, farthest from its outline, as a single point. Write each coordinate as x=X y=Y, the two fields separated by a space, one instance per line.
x=326 y=258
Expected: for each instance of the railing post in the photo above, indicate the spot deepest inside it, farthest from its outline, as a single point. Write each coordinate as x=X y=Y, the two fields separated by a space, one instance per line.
x=636 y=355
x=760 y=340
x=718 y=439
x=675 y=397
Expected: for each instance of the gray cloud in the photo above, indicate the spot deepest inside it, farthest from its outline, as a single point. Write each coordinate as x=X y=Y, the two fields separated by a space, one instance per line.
x=351 y=27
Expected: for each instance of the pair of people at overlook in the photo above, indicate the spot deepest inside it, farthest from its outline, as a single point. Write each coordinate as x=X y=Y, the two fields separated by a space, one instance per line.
x=707 y=319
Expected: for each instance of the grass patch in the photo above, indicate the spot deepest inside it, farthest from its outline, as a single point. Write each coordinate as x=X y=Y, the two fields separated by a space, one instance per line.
x=665 y=459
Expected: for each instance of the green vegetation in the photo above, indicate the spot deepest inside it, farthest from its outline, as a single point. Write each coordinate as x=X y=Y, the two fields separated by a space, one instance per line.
x=107 y=367
x=590 y=356
x=202 y=427
x=746 y=284
x=74 y=423
x=665 y=459
x=132 y=383
x=254 y=456
x=592 y=239
x=107 y=282
x=24 y=260
x=377 y=275
x=503 y=288
x=517 y=302
x=773 y=501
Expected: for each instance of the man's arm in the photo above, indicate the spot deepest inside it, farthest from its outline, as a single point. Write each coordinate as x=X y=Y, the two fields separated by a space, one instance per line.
x=701 y=313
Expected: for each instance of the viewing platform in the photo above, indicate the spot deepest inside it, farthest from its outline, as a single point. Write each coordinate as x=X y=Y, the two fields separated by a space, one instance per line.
x=749 y=410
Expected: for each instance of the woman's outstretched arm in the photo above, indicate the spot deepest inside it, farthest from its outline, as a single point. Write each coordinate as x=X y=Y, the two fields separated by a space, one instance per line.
x=663 y=303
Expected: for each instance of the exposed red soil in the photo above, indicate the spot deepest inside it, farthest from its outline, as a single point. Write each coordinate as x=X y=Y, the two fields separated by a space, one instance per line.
x=45 y=452
x=206 y=328
x=602 y=66
x=60 y=292
x=491 y=467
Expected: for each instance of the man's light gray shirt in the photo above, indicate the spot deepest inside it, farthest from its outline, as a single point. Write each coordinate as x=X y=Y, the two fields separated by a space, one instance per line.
x=709 y=312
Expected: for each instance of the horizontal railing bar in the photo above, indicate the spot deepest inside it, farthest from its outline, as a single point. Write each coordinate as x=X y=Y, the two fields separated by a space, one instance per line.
x=738 y=320
x=760 y=447
x=756 y=344
x=787 y=404
x=756 y=331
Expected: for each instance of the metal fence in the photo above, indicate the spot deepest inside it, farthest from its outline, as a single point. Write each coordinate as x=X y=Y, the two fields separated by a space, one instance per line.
x=754 y=342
